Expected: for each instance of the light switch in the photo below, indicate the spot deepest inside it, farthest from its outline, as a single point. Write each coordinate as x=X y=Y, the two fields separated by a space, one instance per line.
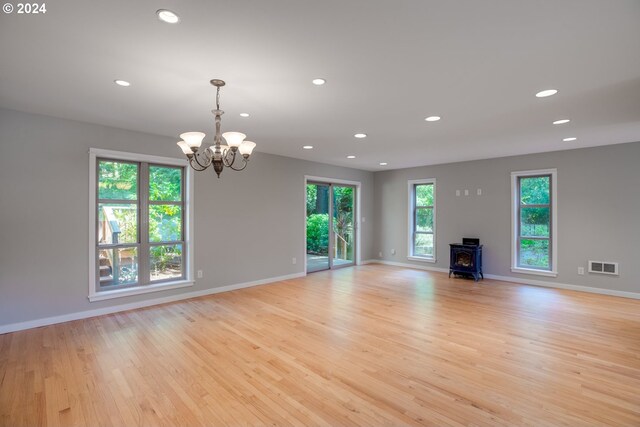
x=466 y=192
x=458 y=193
x=479 y=191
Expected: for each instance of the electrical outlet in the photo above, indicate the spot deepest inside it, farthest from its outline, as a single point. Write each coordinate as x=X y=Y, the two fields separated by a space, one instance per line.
x=200 y=275
x=581 y=271
x=294 y=261
x=380 y=254
x=393 y=251
x=479 y=191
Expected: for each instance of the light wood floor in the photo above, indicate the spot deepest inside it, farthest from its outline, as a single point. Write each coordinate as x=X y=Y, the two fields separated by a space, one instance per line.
x=372 y=345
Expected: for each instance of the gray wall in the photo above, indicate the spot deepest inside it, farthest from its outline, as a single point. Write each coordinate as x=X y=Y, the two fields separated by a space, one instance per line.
x=248 y=225
x=598 y=211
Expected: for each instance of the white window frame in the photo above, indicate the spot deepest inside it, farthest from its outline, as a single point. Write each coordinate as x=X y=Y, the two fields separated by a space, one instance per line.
x=515 y=201
x=95 y=294
x=411 y=223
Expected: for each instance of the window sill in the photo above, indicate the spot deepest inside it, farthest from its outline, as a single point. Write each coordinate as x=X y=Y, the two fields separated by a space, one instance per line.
x=421 y=259
x=118 y=293
x=534 y=272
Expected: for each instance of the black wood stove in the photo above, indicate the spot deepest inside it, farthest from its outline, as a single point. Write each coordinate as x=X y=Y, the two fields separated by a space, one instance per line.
x=466 y=258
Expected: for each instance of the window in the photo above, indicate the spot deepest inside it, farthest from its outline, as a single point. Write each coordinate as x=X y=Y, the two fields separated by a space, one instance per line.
x=139 y=224
x=422 y=220
x=534 y=249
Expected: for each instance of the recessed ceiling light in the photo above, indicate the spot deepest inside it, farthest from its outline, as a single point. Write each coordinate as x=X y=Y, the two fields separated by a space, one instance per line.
x=432 y=118
x=318 y=82
x=545 y=93
x=360 y=135
x=570 y=139
x=244 y=114
x=351 y=157
x=308 y=147
x=122 y=83
x=561 y=122
x=168 y=16
x=383 y=163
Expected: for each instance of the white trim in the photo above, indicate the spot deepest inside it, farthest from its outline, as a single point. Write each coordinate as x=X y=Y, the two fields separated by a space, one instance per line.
x=410 y=207
x=533 y=271
x=136 y=157
x=146 y=303
x=126 y=292
x=94 y=154
x=357 y=217
x=521 y=281
x=406 y=265
x=421 y=258
x=554 y=222
x=579 y=288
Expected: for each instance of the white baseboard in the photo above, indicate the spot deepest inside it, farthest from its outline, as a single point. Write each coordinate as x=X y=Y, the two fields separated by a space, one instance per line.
x=601 y=291
x=13 y=327
x=406 y=265
x=520 y=280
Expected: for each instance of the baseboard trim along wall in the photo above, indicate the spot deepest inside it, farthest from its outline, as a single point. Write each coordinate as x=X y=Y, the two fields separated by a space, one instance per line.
x=524 y=281
x=13 y=327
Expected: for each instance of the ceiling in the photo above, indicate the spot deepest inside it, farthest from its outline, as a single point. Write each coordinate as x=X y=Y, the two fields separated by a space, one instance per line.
x=388 y=65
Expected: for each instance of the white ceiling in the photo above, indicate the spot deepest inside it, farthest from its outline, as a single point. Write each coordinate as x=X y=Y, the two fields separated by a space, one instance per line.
x=388 y=65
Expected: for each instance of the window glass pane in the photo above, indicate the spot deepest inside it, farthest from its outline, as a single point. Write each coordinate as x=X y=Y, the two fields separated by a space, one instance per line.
x=117 y=180
x=118 y=266
x=165 y=183
x=423 y=245
x=535 y=190
x=534 y=253
x=165 y=223
x=117 y=223
x=534 y=222
x=424 y=219
x=165 y=262
x=424 y=195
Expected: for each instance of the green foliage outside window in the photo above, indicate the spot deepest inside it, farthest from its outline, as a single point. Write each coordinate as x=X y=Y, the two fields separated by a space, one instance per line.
x=318 y=234
x=117 y=180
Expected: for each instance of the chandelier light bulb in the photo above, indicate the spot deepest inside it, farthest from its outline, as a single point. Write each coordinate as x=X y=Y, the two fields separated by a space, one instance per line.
x=234 y=139
x=193 y=139
x=185 y=147
x=246 y=148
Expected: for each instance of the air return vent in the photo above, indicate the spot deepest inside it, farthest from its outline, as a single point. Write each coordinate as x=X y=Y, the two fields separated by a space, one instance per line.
x=603 y=267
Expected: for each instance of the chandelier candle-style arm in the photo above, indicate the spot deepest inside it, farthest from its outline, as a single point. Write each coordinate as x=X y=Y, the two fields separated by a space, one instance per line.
x=217 y=155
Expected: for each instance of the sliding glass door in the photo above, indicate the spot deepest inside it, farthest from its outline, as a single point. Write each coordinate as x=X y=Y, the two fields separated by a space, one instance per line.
x=330 y=226
x=343 y=235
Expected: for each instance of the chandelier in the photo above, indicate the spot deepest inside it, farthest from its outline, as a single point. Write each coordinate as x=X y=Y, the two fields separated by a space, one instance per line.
x=217 y=155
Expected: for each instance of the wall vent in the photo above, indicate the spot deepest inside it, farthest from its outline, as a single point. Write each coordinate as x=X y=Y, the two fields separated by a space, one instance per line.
x=603 y=267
